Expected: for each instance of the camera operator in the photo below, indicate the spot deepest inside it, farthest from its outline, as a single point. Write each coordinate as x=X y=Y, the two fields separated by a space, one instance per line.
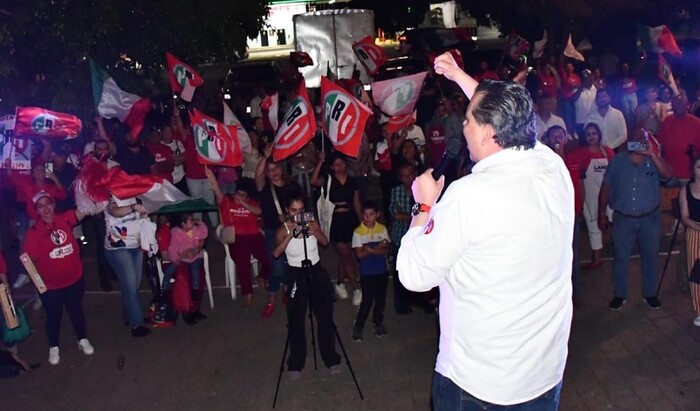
x=298 y=238
x=631 y=188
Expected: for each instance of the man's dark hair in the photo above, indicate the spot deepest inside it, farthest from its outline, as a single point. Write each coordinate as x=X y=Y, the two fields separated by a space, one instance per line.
x=507 y=107
x=247 y=185
x=370 y=205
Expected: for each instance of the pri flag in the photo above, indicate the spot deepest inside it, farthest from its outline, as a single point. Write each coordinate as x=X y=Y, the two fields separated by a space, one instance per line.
x=298 y=126
x=183 y=78
x=344 y=118
x=113 y=102
x=659 y=39
x=399 y=95
x=230 y=119
x=666 y=75
x=515 y=46
x=456 y=54
x=39 y=122
x=270 y=106
x=397 y=123
x=215 y=142
x=371 y=56
x=571 y=52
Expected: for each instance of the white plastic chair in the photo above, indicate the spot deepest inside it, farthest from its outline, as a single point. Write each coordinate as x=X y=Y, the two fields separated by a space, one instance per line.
x=207 y=277
x=230 y=266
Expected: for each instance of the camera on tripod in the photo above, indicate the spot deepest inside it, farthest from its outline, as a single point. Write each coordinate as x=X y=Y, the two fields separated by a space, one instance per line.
x=303 y=219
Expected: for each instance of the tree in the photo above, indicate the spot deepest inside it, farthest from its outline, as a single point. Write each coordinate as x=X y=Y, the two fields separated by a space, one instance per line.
x=45 y=43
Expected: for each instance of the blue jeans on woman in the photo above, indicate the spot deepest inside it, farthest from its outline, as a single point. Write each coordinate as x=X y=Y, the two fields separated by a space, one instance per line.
x=127 y=264
x=279 y=265
x=447 y=396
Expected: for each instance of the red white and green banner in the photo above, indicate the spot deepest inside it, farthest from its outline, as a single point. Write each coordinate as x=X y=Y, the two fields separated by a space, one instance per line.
x=397 y=123
x=344 y=118
x=666 y=75
x=399 y=95
x=270 y=107
x=515 y=46
x=298 y=126
x=183 y=78
x=217 y=144
x=230 y=119
x=113 y=102
x=659 y=39
x=39 y=122
x=371 y=56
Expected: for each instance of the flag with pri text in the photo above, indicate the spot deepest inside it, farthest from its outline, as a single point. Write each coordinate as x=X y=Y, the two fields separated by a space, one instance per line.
x=371 y=56
x=39 y=122
x=217 y=144
x=298 y=126
x=183 y=79
x=398 y=95
x=344 y=118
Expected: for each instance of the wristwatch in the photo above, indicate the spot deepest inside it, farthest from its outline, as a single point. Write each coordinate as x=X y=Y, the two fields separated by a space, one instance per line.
x=420 y=208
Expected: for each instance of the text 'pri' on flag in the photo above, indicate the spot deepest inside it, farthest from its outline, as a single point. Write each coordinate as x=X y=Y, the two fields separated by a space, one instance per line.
x=344 y=118
x=216 y=143
x=371 y=56
x=399 y=95
x=39 y=122
x=183 y=78
x=298 y=126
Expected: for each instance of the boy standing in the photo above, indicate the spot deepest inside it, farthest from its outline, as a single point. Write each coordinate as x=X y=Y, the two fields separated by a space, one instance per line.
x=371 y=244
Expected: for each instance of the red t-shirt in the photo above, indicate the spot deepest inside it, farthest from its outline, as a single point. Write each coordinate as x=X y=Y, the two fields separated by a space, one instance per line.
x=570 y=83
x=629 y=85
x=163 y=237
x=676 y=134
x=162 y=154
x=27 y=188
x=3 y=264
x=576 y=173
x=583 y=156
x=54 y=250
x=193 y=168
x=242 y=219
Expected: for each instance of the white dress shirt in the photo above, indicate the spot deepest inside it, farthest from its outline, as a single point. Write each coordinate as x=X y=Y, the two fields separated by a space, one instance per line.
x=585 y=104
x=499 y=247
x=542 y=126
x=613 y=126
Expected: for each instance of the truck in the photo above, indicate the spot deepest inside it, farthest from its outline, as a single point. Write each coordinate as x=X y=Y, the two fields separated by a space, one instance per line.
x=327 y=36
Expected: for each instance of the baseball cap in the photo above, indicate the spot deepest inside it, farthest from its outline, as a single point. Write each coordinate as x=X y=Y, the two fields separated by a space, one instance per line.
x=39 y=195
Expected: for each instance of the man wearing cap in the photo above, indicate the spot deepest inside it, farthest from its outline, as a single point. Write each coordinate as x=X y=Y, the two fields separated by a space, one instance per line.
x=51 y=245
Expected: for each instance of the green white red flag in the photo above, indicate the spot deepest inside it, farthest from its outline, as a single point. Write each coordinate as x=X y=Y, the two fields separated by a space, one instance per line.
x=397 y=123
x=113 y=102
x=39 y=122
x=371 y=56
x=270 y=106
x=659 y=39
x=298 y=126
x=216 y=143
x=666 y=75
x=230 y=119
x=344 y=117
x=183 y=78
x=399 y=95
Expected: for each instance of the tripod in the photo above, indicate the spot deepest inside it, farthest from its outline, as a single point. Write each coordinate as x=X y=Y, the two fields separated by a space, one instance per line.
x=298 y=288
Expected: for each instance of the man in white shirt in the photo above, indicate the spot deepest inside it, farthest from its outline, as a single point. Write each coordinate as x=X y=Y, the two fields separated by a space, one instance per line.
x=545 y=118
x=610 y=120
x=584 y=103
x=498 y=244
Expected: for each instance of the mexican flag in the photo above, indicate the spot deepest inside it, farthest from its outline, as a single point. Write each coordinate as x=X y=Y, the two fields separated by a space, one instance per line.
x=230 y=119
x=113 y=102
x=39 y=122
x=666 y=75
x=399 y=95
x=659 y=39
x=344 y=118
x=270 y=106
x=183 y=79
x=217 y=144
x=371 y=56
x=298 y=126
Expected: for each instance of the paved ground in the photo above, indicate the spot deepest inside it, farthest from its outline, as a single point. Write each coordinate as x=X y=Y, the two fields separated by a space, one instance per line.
x=634 y=359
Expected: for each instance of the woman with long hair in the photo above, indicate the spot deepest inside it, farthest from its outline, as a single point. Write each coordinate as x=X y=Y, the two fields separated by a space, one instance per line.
x=690 y=217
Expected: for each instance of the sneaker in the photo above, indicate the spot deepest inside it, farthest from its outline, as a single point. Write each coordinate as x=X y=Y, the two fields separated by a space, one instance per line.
x=20 y=281
x=140 y=331
x=335 y=369
x=268 y=310
x=356 y=298
x=85 y=346
x=617 y=303
x=54 y=357
x=380 y=330
x=294 y=375
x=357 y=334
x=696 y=321
x=653 y=303
x=341 y=291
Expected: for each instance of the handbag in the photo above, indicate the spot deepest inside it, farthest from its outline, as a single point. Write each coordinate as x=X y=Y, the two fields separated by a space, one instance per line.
x=325 y=208
x=17 y=334
x=695 y=272
x=226 y=234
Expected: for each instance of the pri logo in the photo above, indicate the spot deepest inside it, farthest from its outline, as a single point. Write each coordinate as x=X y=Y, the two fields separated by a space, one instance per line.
x=43 y=123
x=401 y=98
x=342 y=116
x=209 y=144
x=369 y=54
x=182 y=75
x=58 y=237
x=294 y=126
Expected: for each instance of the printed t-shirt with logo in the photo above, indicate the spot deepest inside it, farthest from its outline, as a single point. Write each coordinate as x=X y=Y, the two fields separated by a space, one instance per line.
x=234 y=214
x=372 y=237
x=435 y=140
x=122 y=232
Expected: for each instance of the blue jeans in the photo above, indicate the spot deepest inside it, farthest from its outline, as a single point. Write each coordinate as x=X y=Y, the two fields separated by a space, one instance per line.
x=127 y=263
x=447 y=396
x=195 y=268
x=625 y=232
x=279 y=265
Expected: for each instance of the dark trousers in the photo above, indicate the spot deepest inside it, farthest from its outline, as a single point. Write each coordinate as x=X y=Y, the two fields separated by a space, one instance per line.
x=313 y=288
x=182 y=186
x=373 y=292
x=94 y=228
x=53 y=301
x=401 y=294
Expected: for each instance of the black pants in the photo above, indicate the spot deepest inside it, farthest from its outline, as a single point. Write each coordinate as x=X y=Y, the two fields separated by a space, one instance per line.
x=53 y=302
x=314 y=289
x=95 y=226
x=373 y=292
x=182 y=186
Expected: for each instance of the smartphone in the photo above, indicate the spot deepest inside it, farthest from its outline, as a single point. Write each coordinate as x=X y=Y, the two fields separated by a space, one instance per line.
x=49 y=167
x=636 y=146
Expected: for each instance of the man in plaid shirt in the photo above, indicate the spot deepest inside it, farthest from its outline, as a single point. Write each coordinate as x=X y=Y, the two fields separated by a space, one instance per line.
x=400 y=209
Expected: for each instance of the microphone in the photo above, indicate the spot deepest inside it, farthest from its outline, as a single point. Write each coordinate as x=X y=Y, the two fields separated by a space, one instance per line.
x=452 y=152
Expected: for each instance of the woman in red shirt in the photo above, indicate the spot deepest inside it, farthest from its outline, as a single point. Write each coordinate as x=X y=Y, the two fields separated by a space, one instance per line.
x=241 y=212
x=51 y=245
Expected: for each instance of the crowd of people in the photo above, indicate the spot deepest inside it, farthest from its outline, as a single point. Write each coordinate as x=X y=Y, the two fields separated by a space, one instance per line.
x=618 y=153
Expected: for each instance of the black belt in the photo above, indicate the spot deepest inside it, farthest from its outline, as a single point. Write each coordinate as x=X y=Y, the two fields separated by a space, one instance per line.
x=647 y=214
